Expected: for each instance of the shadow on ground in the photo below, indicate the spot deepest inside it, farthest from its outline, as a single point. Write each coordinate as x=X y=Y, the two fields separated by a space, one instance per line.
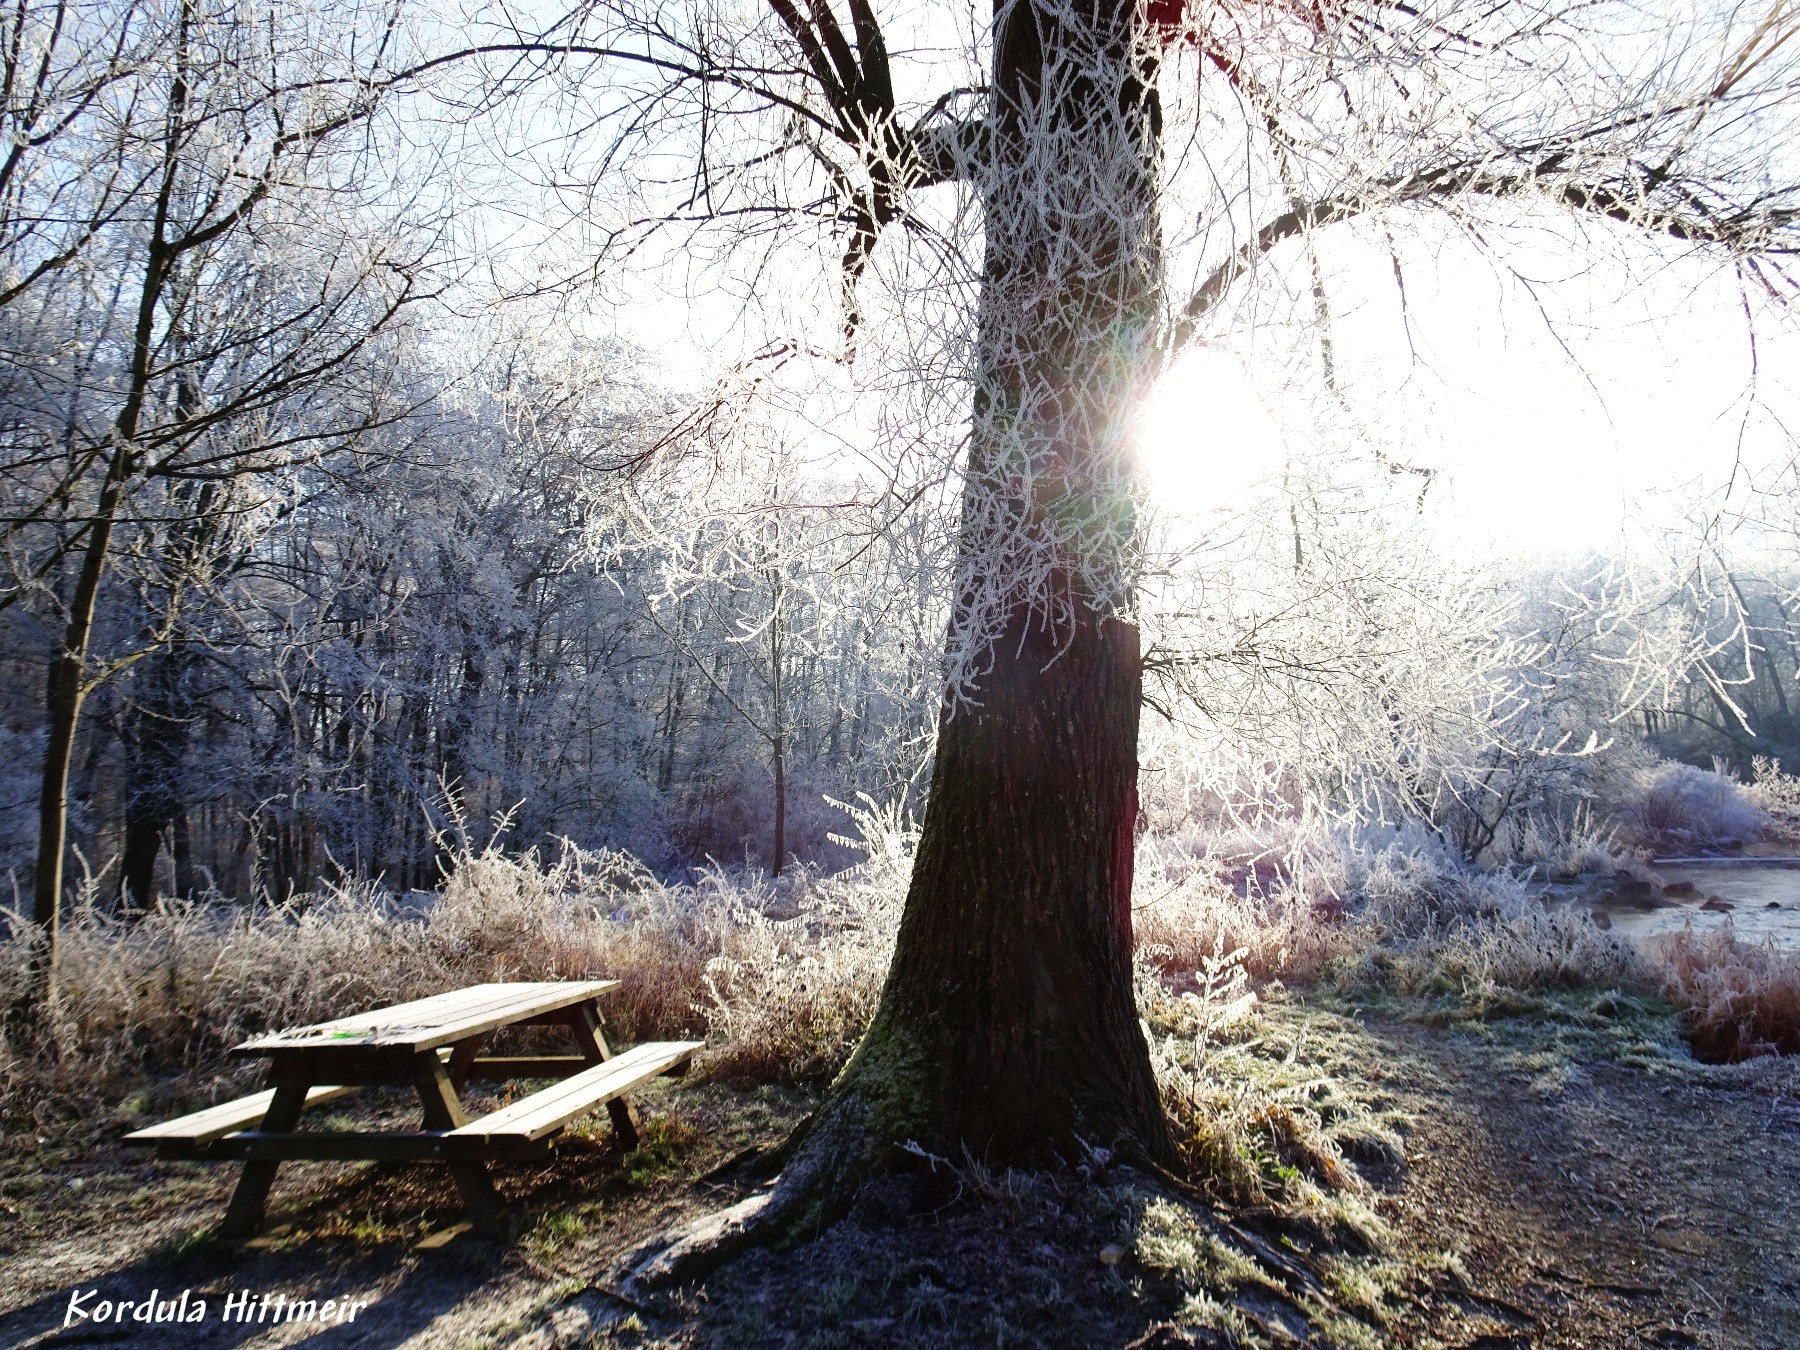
x=1547 y=1200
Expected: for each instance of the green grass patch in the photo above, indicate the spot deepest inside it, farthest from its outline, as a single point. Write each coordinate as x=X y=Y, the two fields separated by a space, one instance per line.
x=664 y=1143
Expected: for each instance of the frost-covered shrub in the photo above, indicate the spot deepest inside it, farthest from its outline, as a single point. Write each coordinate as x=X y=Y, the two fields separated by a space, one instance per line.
x=1680 y=806
x=1395 y=909
x=1742 y=1000
x=1426 y=924
x=1488 y=964
x=1777 y=795
x=1270 y=895
x=177 y=987
x=172 y=991
x=1565 y=842
x=796 y=993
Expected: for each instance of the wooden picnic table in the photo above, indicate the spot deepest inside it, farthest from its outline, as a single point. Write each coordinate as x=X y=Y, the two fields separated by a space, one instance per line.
x=433 y=1045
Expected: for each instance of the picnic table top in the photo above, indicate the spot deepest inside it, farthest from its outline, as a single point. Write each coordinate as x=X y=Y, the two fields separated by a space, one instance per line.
x=426 y=1023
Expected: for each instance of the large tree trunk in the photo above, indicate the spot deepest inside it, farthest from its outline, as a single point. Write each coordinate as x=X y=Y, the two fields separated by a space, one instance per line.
x=1008 y=1009
x=1007 y=1025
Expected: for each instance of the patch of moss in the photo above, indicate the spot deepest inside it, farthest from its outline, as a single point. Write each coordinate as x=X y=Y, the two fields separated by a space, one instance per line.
x=1170 y=1239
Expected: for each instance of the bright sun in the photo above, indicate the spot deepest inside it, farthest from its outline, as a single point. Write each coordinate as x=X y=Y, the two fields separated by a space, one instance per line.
x=1204 y=439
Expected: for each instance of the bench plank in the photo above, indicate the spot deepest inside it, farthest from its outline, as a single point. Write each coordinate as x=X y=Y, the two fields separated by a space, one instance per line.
x=551 y=1108
x=527 y=1066
x=215 y=1122
x=418 y=1146
x=427 y=1023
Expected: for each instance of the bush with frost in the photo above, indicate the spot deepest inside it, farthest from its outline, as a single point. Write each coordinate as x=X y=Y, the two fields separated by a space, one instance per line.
x=1678 y=806
x=1742 y=999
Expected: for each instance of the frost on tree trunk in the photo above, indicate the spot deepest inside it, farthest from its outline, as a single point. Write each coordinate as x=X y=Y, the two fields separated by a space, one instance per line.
x=1007 y=1024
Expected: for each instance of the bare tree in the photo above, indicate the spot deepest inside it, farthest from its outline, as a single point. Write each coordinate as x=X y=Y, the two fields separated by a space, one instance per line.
x=241 y=280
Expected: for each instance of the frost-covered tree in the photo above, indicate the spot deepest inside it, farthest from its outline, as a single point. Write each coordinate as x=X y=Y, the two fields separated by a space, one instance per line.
x=185 y=250
x=1007 y=1022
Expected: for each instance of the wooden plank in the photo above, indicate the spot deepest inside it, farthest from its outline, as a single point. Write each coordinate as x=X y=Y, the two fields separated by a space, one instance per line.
x=444 y=1111
x=225 y=1118
x=427 y=1023
x=591 y=1041
x=244 y=1215
x=407 y=1025
x=422 y=1146
x=363 y=1029
x=525 y=1066
x=458 y=1057
x=553 y=1107
x=378 y=1066
x=437 y=1020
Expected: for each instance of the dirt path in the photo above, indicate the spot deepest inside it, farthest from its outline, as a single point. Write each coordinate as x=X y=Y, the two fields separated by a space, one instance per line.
x=1545 y=1205
x=1603 y=1205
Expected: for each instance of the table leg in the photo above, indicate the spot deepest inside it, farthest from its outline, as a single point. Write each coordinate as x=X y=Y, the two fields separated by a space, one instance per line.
x=462 y=1057
x=590 y=1040
x=244 y=1216
x=443 y=1111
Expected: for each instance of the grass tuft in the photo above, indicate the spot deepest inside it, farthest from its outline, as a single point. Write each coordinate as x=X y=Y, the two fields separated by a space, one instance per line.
x=1741 y=1000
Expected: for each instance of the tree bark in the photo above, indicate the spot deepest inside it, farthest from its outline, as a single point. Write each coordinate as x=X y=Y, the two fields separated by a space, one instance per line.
x=1007 y=1026
x=1011 y=985
x=1010 y=994
x=778 y=753
x=68 y=690
x=68 y=686
x=778 y=717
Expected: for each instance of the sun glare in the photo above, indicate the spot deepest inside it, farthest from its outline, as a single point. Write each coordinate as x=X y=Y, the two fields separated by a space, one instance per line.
x=1204 y=440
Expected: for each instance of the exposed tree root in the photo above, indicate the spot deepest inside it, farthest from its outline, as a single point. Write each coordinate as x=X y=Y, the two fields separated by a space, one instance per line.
x=866 y=1128
x=851 y=1138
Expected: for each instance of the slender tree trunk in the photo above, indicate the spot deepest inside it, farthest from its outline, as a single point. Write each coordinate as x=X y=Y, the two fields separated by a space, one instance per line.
x=156 y=738
x=181 y=843
x=778 y=752
x=665 y=769
x=778 y=713
x=68 y=690
x=69 y=681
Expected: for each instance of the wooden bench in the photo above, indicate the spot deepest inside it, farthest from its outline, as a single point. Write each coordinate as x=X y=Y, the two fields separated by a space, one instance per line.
x=434 y=1046
x=547 y=1110
x=521 y=1130
x=215 y=1122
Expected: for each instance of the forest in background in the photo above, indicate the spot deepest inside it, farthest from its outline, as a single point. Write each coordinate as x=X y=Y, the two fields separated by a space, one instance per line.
x=484 y=607
x=353 y=544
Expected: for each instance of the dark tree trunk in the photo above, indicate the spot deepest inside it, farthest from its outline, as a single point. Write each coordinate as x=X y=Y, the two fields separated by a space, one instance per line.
x=1011 y=980
x=70 y=674
x=68 y=691
x=1008 y=1016
x=156 y=737
x=778 y=753
x=1007 y=1024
